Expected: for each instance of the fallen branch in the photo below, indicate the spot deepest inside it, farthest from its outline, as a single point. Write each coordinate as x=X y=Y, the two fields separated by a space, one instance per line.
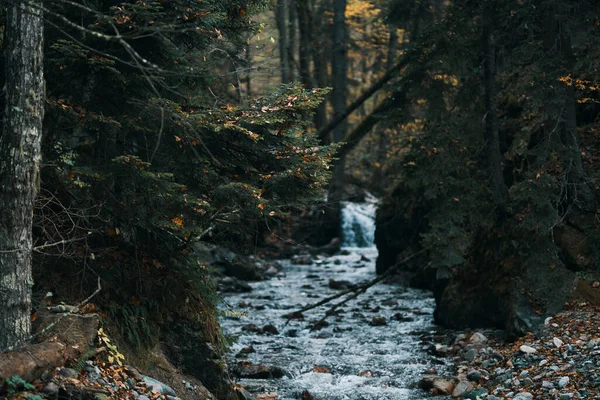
x=356 y=291
x=73 y=311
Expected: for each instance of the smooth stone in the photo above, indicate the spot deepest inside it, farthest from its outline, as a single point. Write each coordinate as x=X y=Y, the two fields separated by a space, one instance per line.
x=564 y=381
x=523 y=396
x=527 y=349
x=470 y=355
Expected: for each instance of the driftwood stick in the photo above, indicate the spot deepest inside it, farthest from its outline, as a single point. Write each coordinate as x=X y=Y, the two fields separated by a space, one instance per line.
x=73 y=311
x=364 y=287
x=358 y=290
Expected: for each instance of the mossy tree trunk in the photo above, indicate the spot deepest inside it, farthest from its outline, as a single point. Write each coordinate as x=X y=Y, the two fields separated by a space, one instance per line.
x=20 y=155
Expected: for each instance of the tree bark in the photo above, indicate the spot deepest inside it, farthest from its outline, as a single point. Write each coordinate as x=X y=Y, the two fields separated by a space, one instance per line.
x=320 y=59
x=281 y=13
x=340 y=72
x=305 y=26
x=492 y=139
x=20 y=155
x=292 y=40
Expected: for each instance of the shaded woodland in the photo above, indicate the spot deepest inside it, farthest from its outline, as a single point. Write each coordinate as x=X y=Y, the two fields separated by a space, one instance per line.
x=162 y=127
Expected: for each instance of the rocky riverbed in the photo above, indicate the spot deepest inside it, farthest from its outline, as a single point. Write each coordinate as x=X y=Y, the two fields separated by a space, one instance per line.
x=376 y=346
x=560 y=361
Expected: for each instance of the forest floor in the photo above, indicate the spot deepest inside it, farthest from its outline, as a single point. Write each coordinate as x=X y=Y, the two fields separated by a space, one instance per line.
x=560 y=361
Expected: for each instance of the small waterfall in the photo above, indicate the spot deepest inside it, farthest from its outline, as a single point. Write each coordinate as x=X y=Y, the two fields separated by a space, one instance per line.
x=358 y=224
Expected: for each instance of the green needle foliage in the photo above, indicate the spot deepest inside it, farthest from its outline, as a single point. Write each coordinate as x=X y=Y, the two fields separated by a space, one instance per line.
x=150 y=145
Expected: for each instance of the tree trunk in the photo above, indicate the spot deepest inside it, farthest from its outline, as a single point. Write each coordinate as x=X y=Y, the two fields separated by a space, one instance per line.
x=281 y=13
x=340 y=71
x=321 y=24
x=292 y=40
x=20 y=155
x=492 y=140
x=305 y=25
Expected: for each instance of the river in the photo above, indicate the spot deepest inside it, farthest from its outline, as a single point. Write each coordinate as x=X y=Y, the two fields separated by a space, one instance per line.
x=355 y=357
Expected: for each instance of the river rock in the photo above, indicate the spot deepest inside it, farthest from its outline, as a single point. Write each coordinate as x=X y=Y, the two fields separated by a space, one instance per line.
x=523 y=396
x=470 y=354
x=267 y=396
x=480 y=296
x=474 y=375
x=243 y=394
x=563 y=381
x=478 y=338
x=250 y=371
x=527 y=349
x=340 y=285
x=461 y=388
x=228 y=284
x=158 y=386
x=378 y=321
x=302 y=259
x=475 y=394
x=270 y=329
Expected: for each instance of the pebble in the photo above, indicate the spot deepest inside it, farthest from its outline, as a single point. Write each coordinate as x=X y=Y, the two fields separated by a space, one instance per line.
x=523 y=396
x=527 y=349
x=478 y=338
x=557 y=342
x=470 y=355
x=564 y=381
x=547 y=385
x=474 y=375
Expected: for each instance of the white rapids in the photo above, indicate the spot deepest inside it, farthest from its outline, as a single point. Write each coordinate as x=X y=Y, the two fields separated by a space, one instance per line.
x=362 y=361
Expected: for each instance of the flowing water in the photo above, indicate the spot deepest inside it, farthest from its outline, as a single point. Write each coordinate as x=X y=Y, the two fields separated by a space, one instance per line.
x=352 y=358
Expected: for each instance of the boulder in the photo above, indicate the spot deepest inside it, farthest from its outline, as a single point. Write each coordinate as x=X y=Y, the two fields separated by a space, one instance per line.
x=30 y=362
x=248 y=370
x=188 y=346
x=501 y=289
x=76 y=331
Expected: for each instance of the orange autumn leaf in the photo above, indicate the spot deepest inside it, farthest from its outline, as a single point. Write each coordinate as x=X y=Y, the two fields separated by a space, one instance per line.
x=261 y=206
x=177 y=221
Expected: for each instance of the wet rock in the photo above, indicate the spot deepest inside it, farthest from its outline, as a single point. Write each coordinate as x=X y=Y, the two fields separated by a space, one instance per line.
x=340 y=285
x=476 y=394
x=431 y=371
x=364 y=258
x=229 y=284
x=378 y=321
x=366 y=373
x=270 y=329
x=295 y=315
x=245 y=351
x=249 y=371
x=302 y=260
x=345 y=252
x=337 y=262
x=474 y=375
x=437 y=384
x=461 y=388
x=443 y=386
x=441 y=349
x=243 y=394
x=251 y=328
x=267 y=396
x=402 y=317
x=158 y=386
